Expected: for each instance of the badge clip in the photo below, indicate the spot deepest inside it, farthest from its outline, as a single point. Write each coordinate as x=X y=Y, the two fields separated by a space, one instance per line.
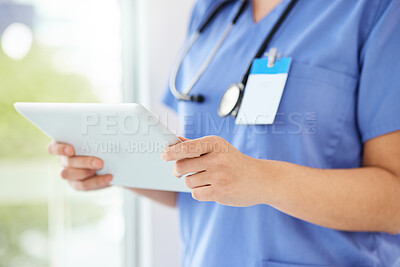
x=273 y=56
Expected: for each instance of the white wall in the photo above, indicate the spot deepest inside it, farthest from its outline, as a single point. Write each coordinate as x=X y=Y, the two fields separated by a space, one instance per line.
x=166 y=24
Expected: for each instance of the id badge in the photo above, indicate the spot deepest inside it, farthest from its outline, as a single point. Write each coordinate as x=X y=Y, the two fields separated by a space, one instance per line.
x=263 y=92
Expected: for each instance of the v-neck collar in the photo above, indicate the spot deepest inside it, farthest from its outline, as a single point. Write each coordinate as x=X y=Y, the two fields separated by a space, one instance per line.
x=273 y=13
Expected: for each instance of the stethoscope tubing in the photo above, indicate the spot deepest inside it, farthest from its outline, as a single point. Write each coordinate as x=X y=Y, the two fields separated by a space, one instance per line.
x=184 y=95
x=177 y=65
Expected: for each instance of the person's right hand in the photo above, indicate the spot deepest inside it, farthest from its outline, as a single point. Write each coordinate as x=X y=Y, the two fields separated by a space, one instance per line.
x=79 y=171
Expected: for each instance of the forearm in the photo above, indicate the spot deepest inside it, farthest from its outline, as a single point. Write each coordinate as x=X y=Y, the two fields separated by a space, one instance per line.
x=362 y=199
x=164 y=197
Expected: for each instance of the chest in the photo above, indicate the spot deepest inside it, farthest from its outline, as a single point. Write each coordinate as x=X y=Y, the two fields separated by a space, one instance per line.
x=320 y=94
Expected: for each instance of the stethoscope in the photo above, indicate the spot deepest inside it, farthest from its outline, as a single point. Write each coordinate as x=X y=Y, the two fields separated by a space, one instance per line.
x=231 y=99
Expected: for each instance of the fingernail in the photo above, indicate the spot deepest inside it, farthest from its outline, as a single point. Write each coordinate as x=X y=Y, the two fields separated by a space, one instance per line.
x=68 y=151
x=162 y=156
x=109 y=178
x=96 y=164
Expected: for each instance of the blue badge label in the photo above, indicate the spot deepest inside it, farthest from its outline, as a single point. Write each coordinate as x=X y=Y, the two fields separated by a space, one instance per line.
x=260 y=66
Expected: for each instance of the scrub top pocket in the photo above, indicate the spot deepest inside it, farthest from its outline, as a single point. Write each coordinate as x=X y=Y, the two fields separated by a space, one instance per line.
x=315 y=104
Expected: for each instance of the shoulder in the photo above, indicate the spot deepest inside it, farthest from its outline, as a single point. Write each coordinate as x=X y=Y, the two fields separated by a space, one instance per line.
x=204 y=5
x=201 y=6
x=362 y=16
x=200 y=10
x=385 y=22
x=381 y=8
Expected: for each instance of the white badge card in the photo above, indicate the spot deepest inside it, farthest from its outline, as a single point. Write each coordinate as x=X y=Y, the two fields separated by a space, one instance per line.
x=263 y=91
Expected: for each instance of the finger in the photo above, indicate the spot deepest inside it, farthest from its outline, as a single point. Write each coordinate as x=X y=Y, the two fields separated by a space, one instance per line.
x=92 y=183
x=190 y=149
x=198 y=180
x=76 y=174
x=81 y=162
x=204 y=193
x=61 y=149
x=191 y=165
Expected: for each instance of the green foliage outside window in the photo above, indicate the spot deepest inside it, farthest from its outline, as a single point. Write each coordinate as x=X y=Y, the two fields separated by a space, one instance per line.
x=33 y=79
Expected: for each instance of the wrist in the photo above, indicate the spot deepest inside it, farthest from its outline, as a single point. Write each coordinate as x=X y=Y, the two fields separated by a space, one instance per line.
x=269 y=180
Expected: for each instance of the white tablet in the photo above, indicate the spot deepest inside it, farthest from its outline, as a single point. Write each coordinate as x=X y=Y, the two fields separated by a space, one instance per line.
x=127 y=137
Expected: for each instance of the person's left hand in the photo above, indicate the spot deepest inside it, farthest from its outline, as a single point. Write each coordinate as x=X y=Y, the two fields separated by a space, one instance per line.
x=218 y=171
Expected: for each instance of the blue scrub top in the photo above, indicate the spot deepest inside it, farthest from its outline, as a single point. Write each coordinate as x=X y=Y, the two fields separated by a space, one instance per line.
x=343 y=89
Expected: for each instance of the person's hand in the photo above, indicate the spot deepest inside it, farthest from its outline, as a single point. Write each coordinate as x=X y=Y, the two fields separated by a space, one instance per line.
x=79 y=171
x=221 y=173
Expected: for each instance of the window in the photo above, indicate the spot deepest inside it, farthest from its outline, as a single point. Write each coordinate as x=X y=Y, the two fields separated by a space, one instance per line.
x=55 y=51
x=70 y=51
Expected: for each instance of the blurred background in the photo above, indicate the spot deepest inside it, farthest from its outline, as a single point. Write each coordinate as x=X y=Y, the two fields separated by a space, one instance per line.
x=107 y=51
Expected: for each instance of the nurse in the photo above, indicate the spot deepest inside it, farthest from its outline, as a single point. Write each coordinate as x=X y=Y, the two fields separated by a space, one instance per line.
x=316 y=185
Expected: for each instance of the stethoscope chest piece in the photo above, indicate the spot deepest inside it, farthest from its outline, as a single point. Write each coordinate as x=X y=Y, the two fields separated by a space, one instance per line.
x=230 y=100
